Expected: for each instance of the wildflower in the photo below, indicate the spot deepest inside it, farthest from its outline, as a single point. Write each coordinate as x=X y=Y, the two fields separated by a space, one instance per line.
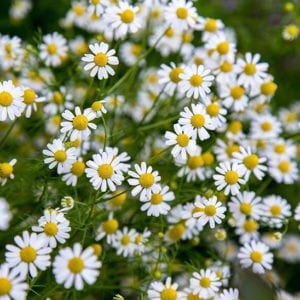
x=155 y=204
x=5 y=214
x=29 y=255
x=53 y=50
x=74 y=266
x=216 y=112
x=11 y=101
x=230 y=177
x=229 y=294
x=67 y=203
x=100 y=61
x=290 y=32
x=123 y=241
x=19 y=9
x=209 y=27
x=53 y=227
x=283 y=170
x=195 y=82
x=144 y=180
x=12 y=284
x=290 y=248
x=108 y=228
x=73 y=172
x=257 y=256
x=247 y=229
x=6 y=171
x=30 y=98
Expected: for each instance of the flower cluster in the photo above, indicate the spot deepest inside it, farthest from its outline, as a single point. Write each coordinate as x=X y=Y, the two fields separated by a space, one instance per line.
x=148 y=150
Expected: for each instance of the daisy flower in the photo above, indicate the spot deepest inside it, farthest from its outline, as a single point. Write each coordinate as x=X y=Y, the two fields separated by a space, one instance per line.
x=6 y=171
x=97 y=6
x=247 y=230
x=130 y=52
x=5 y=214
x=290 y=248
x=53 y=227
x=11 y=101
x=182 y=141
x=297 y=212
x=76 y=266
x=290 y=32
x=168 y=290
x=73 y=172
x=257 y=256
x=280 y=149
x=100 y=61
x=181 y=14
x=205 y=282
x=67 y=203
x=289 y=119
x=122 y=19
x=107 y=229
x=105 y=170
x=155 y=204
x=252 y=162
x=58 y=155
x=144 y=180
x=12 y=285
x=229 y=294
x=225 y=71
x=29 y=255
x=229 y=177
x=224 y=150
x=283 y=170
x=53 y=50
x=124 y=242
x=196 y=120
x=216 y=112
x=209 y=27
x=79 y=124
x=30 y=98
x=210 y=211
x=195 y=82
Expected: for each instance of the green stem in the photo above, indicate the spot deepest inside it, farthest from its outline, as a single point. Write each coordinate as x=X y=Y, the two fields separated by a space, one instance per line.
x=3 y=140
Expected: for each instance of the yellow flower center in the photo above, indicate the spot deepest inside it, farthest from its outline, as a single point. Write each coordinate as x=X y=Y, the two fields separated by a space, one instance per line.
x=182 y=13
x=235 y=127
x=182 y=140
x=210 y=210
x=105 y=171
x=197 y=209
x=231 y=177
x=146 y=180
x=136 y=49
x=110 y=226
x=266 y=126
x=95 y=2
x=208 y=158
x=186 y=37
x=50 y=229
x=174 y=74
x=118 y=200
x=198 y=60
x=198 y=120
x=192 y=296
x=292 y=30
x=6 y=170
x=127 y=16
x=58 y=98
x=97 y=249
x=291 y=117
x=223 y=48
x=6 y=98
x=268 y=88
x=28 y=254
x=226 y=66
x=196 y=80
x=78 y=168
x=96 y=106
x=211 y=25
x=256 y=256
x=78 y=9
x=237 y=92
x=80 y=122
x=284 y=166
x=213 y=109
x=205 y=282
x=250 y=225
x=60 y=156
x=251 y=161
x=275 y=210
x=279 y=148
x=176 y=232
x=29 y=96
x=246 y=208
x=125 y=240
x=155 y=13
x=8 y=47
x=101 y=59
x=232 y=148
x=156 y=198
x=82 y=48
x=250 y=69
x=5 y=286
x=170 y=32
x=195 y=162
x=168 y=294
x=51 y=48
x=76 y=265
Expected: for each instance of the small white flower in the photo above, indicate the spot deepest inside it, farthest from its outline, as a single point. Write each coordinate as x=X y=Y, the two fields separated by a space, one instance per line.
x=283 y=170
x=124 y=241
x=4 y=213
x=6 y=171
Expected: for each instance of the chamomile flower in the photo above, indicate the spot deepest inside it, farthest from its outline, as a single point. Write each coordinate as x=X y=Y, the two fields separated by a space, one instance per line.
x=229 y=294
x=130 y=52
x=195 y=82
x=196 y=120
x=247 y=230
x=224 y=150
x=182 y=141
x=230 y=177
x=53 y=50
x=144 y=180
x=30 y=98
x=100 y=61
x=205 y=282
x=67 y=203
x=283 y=170
x=107 y=229
x=97 y=6
x=53 y=227
x=290 y=32
x=168 y=290
x=216 y=112
x=5 y=214
x=156 y=203
x=78 y=125
x=289 y=119
x=257 y=256
x=19 y=9
x=6 y=171
x=57 y=155
x=252 y=162
x=105 y=171
x=210 y=211
x=290 y=248
x=29 y=255
x=73 y=172
x=76 y=266
x=123 y=241
x=12 y=284
x=11 y=101
x=209 y=27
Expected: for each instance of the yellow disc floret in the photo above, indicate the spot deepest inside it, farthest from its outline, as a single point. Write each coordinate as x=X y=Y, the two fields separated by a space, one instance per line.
x=76 y=265
x=105 y=171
